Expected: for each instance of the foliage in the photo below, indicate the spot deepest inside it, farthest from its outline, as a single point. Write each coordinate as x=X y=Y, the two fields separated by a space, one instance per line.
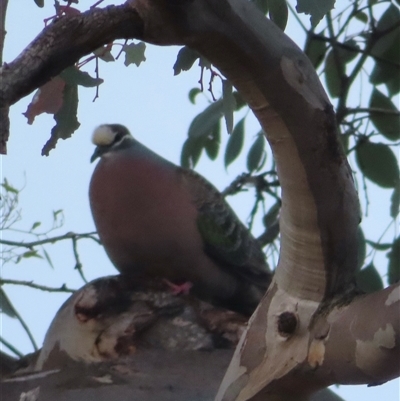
x=359 y=42
x=354 y=44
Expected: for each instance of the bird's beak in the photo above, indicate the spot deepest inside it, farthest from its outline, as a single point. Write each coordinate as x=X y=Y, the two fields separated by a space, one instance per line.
x=97 y=153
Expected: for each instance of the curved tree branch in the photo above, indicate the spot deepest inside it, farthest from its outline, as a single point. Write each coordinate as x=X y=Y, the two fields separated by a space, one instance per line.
x=63 y=43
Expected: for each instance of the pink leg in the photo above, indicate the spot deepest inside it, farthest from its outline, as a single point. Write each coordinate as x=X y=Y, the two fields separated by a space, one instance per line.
x=178 y=289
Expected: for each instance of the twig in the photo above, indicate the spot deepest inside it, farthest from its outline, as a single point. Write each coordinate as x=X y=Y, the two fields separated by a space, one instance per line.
x=372 y=110
x=31 y=284
x=69 y=235
x=78 y=264
x=3 y=11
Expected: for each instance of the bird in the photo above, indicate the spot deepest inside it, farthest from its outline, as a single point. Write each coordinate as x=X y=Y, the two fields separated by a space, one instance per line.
x=156 y=219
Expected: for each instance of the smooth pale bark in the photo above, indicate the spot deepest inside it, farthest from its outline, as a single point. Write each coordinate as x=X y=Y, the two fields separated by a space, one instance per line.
x=301 y=337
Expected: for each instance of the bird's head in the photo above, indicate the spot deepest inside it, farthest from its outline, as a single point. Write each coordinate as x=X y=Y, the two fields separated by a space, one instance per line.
x=109 y=137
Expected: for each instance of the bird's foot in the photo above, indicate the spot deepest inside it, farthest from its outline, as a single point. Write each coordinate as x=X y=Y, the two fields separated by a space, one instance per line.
x=178 y=289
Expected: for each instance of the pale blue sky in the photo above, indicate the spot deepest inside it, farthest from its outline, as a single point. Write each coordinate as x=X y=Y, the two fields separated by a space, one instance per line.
x=154 y=105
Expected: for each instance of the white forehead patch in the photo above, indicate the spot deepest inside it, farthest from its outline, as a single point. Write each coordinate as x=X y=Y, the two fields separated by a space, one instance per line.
x=103 y=136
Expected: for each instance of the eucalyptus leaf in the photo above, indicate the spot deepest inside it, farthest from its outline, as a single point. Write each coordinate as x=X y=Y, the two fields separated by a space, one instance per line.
x=316 y=8
x=204 y=122
x=395 y=201
x=378 y=163
x=369 y=280
x=193 y=93
x=229 y=104
x=394 y=262
x=5 y=305
x=255 y=160
x=213 y=141
x=387 y=124
x=185 y=59
x=334 y=72
x=74 y=76
x=278 y=12
x=235 y=143
x=362 y=248
x=315 y=49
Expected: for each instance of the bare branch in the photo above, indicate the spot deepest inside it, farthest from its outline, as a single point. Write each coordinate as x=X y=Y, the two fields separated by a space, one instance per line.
x=52 y=240
x=372 y=110
x=31 y=284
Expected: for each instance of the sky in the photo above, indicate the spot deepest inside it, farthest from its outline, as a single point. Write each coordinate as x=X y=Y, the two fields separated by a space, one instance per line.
x=154 y=105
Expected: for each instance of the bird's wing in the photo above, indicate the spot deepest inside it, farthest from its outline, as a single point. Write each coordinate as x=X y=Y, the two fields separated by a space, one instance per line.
x=225 y=237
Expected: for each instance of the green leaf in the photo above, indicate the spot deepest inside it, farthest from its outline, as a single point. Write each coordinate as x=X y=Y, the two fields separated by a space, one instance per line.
x=316 y=8
x=134 y=53
x=362 y=248
x=240 y=102
x=333 y=75
x=213 y=142
x=66 y=118
x=394 y=262
x=204 y=63
x=378 y=163
x=5 y=305
x=272 y=215
x=361 y=16
x=387 y=74
x=47 y=257
x=345 y=53
x=384 y=42
x=378 y=246
x=56 y=213
x=33 y=253
x=315 y=49
x=193 y=93
x=229 y=104
x=395 y=201
x=278 y=12
x=8 y=187
x=369 y=280
x=388 y=125
x=191 y=152
x=185 y=60
x=386 y=47
x=104 y=53
x=262 y=5
x=204 y=122
x=235 y=143
x=39 y=3
x=255 y=159
x=73 y=76
x=35 y=225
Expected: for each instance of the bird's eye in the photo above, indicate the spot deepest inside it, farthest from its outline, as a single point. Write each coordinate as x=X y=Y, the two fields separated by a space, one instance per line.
x=118 y=137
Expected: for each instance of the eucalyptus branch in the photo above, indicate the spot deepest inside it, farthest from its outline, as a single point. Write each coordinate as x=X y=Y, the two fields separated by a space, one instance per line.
x=31 y=284
x=70 y=235
x=372 y=110
x=345 y=46
x=258 y=181
x=3 y=11
x=78 y=263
